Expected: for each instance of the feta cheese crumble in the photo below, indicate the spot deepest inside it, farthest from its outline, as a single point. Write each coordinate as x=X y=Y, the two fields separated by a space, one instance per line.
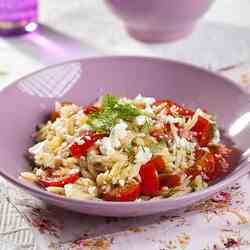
x=143 y=155
x=37 y=148
x=109 y=144
x=144 y=100
x=140 y=120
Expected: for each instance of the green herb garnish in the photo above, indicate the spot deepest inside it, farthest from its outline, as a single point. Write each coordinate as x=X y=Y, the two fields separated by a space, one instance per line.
x=112 y=110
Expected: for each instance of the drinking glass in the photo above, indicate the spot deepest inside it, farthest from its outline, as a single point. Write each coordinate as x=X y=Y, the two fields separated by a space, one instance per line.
x=17 y=16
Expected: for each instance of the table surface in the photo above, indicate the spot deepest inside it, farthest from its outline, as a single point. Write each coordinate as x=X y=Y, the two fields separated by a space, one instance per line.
x=74 y=29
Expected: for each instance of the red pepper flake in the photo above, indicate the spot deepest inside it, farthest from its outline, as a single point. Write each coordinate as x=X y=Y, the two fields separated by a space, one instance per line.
x=222 y=197
x=231 y=243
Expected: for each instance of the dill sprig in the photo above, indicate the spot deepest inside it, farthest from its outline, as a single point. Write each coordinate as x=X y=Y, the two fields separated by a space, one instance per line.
x=111 y=111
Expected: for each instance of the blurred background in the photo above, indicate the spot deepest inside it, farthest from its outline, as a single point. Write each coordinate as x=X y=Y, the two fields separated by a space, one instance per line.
x=77 y=29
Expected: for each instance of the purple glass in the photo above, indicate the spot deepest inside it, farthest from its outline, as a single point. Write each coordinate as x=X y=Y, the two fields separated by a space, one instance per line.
x=17 y=16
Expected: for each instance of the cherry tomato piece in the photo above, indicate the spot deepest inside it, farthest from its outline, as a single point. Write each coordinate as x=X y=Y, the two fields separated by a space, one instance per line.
x=208 y=167
x=54 y=115
x=193 y=172
x=204 y=131
x=129 y=192
x=90 y=110
x=205 y=166
x=159 y=163
x=169 y=180
x=222 y=156
x=59 y=182
x=78 y=150
x=179 y=109
x=221 y=150
x=150 y=184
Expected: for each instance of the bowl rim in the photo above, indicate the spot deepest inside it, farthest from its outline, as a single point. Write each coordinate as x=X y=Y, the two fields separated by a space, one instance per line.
x=243 y=167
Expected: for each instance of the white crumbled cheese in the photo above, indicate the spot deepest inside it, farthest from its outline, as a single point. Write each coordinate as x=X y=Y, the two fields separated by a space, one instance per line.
x=37 y=148
x=119 y=131
x=79 y=141
x=60 y=127
x=74 y=171
x=171 y=119
x=109 y=144
x=145 y=100
x=68 y=110
x=140 y=120
x=39 y=172
x=83 y=128
x=106 y=146
x=121 y=182
x=184 y=144
x=143 y=155
x=92 y=190
x=148 y=110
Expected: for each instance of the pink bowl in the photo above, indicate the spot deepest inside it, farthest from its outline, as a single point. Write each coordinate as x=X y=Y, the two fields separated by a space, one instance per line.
x=29 y=100
x=159 y=20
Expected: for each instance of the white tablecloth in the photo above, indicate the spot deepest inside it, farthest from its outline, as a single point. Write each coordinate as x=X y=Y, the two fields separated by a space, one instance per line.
x=73 y=29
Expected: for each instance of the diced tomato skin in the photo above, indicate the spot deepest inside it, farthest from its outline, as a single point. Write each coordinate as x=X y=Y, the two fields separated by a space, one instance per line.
x=162 y=101
x=150 y=184
x=49 y=182
x=199 y=153
x=203 y=131
x=159 y=163
x=185 y=112
x=222 y=166
x=54 y=115
x=209 y=168
x=179 y=109
x=193 y=172
x=220 y=149
x=169 y=180
x=130 y=192
x=90 y=110
x=222 y=156
x=81 y=150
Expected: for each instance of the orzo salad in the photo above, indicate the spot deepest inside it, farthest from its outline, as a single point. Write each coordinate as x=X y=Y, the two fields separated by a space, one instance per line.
x=122 y=149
